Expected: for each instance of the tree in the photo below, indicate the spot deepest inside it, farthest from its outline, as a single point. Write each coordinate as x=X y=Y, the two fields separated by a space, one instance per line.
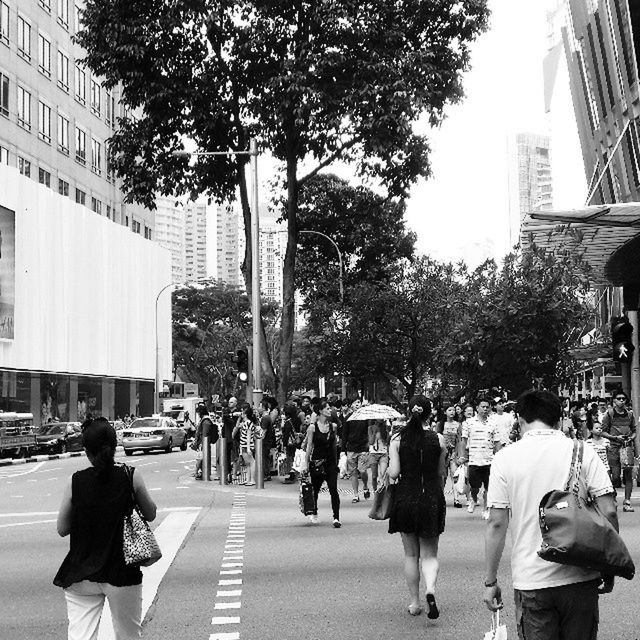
x=517 y=323
x=209 y=324
x=314 y=81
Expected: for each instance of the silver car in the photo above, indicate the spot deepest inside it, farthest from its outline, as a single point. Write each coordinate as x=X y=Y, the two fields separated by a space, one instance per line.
x=157 y=432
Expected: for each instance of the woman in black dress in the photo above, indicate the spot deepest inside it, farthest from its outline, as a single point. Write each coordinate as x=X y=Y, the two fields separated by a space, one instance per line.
x=417 y=456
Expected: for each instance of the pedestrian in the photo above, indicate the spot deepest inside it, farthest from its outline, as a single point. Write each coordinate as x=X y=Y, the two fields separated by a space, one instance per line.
x=248 y=431
x=92 y=512
x=418 y=458
x=452 y=433
x=600 y=444
x=188 y=425
x=503 y=420
x=482 y=439
x=267 y=427
x=582 y=421
x=552 y=600
x=230 y=416
x=355 y=442
x=378 y=450
x=602 y=410
x=459 y=413
x=619 y=428
x=322 y=460
x=290 y=439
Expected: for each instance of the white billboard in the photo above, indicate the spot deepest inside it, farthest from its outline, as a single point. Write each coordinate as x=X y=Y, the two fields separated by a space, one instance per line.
x=7 y=272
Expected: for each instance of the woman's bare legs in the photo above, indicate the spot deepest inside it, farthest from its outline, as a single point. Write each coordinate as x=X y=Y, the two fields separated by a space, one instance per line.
x=430 y=566
x=411 y=545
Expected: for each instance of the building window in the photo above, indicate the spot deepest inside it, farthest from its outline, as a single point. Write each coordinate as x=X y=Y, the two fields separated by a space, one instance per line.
x=126 y=221
x=95 y=98
x=44 y=55
x=96 y=156
x=24 y=38
x=109 y=108
x=4 y=22
x=96 y=206
x=77 y=17
x=24 y=167
x=24 y=108
x=63 y=71
x=135 y=226
x=4 y=95
x=81 y=196
x=44 y=177
x=4 y=155
x=109 y=212
x=44 y=122
x=63 y=13
x=81 y=146
x=81 y=86
x=46 y=5
x=63 y=135
x=147 y=232
x=63 y=187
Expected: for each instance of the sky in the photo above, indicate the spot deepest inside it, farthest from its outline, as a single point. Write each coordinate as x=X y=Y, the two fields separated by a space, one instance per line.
x=462 y=211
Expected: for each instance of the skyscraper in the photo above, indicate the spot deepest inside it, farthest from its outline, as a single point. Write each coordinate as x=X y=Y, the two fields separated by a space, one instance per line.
x=195 y=241
x=229 y=244
x=529 y=178
x=170 y=233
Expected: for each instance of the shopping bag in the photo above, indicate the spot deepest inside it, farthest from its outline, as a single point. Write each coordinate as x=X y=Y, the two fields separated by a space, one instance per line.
x=342 y=464
x=300 y=461
x=461 y=479
x=305 y=500
x=627 y=459
x=498 y=631
x=383 y=499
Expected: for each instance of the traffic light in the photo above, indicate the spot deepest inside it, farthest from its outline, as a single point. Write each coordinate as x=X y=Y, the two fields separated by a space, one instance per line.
x=242 y=360
x=621 y=332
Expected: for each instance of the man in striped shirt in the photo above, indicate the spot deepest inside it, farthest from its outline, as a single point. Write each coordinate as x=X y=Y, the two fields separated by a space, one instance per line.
x=481 y=436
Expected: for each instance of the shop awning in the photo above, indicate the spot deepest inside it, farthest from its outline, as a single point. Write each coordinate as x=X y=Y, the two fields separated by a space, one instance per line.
x=607 y=236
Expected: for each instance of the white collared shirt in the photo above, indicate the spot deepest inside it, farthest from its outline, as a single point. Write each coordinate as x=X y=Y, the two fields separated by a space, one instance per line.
x=521 y=475
x=481 y=438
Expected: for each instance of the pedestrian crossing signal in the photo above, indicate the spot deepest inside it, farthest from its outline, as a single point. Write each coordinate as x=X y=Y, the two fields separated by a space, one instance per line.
x=242 y=361
x=621 y=336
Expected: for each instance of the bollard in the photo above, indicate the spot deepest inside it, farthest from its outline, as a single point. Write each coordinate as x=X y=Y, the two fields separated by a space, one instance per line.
x=223 y=470
x=259 y=465
x=206 y=459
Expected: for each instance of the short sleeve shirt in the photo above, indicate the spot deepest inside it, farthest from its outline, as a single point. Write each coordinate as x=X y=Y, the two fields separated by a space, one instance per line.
x=521 y=474
x=481 y=437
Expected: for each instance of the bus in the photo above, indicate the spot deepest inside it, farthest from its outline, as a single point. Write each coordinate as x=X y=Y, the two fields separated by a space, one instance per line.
x=17 y=434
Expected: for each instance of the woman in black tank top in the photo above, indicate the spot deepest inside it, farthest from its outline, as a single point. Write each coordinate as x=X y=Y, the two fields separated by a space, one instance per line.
x=322 y=461
x=92 y=512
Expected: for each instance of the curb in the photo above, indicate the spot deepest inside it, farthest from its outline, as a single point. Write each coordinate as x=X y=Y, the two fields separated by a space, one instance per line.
x=43 y=458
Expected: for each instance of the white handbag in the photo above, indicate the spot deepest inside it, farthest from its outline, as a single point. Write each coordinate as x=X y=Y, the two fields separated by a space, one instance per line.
x=498 y=631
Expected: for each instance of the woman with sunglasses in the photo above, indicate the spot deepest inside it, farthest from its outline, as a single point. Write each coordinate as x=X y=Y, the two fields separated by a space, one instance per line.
x=93 y=507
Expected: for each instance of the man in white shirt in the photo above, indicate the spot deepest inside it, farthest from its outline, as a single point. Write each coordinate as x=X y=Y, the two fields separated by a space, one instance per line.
x=480 y=435
x=504 y=421
x=553 y=601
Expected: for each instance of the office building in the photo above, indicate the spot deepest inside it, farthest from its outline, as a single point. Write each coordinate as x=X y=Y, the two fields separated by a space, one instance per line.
x=230 y=244
x=195 y=241
x=55 y=116
x=530 y=186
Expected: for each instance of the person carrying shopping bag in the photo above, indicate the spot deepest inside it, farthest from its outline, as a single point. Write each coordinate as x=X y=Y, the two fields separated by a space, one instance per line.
x=92 y=512
x=248 y=430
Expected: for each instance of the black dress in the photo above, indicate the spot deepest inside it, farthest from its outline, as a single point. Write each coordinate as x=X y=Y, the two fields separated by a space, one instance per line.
x=419 y=505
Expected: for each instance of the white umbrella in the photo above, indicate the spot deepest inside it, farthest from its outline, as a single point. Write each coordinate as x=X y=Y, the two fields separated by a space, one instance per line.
x=374 y=412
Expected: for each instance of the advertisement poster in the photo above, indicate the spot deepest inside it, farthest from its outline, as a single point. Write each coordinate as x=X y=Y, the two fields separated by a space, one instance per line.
x=7 y=272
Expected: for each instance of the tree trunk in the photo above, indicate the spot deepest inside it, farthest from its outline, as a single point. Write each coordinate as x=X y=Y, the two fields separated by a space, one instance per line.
x=288 y=281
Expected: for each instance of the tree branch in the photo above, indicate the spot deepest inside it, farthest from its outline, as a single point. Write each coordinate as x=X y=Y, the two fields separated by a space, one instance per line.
x=325 y=163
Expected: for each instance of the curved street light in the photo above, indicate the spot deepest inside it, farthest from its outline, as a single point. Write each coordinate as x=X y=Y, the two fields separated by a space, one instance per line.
x=319 y=233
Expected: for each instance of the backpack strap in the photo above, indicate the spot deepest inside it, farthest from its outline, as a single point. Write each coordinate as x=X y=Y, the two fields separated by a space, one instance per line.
x=574 y=456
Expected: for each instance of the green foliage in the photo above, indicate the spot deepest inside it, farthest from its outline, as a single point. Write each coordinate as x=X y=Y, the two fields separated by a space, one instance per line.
x=313 y=81
x=210 y=323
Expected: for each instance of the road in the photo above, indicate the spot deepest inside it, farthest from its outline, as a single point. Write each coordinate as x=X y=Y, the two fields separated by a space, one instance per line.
x=244 y=564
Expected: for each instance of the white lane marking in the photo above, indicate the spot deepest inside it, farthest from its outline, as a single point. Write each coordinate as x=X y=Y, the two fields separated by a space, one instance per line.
x=23 y=473
x=227 y=605
x=182 y=487
x=225 y=636
x=229 y=565
x=227 y=583
x=50 y=479
x=232 y=593
x=169 y=533
x=23 y=524
x=32 y=481
x=231 y=572
x=16 y=496
x=225 y=620
x=156 y=489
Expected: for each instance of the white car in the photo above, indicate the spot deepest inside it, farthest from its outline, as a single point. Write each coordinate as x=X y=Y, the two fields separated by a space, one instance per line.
x=156 y=432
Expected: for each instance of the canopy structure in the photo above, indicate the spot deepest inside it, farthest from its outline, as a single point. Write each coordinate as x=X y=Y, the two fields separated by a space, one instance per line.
x=608 y=236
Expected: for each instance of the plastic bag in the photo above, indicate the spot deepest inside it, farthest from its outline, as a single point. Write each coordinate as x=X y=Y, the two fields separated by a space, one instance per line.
x=342 y=464
x=498 y=631
x=461 y=478
x=299 y=461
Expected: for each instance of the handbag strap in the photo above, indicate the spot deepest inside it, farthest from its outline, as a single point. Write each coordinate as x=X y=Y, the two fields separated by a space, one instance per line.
x=574 y=456
x=134 y=502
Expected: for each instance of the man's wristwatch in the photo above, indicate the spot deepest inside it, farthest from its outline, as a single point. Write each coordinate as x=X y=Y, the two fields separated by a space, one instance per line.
x=491 y=584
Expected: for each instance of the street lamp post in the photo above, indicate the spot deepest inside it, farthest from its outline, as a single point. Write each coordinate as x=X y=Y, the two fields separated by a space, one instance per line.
x=158 y=381
x=256 y=381
x=319 y=233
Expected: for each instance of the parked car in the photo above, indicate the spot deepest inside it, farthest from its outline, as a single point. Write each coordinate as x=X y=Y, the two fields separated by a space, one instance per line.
x=59 y=437
x=157 y=432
